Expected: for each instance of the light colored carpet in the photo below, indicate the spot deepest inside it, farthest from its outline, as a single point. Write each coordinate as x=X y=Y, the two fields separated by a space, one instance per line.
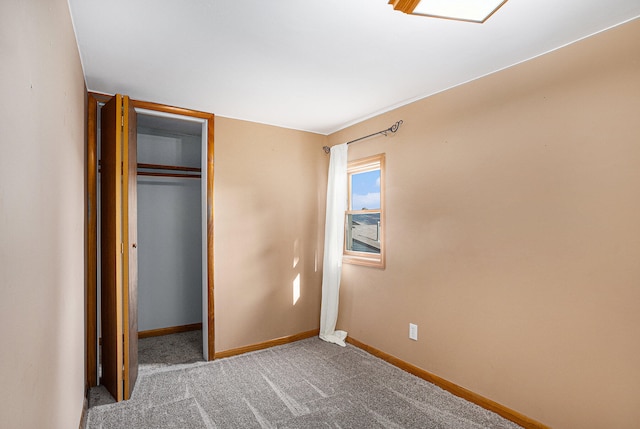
x=306 y=384
x=167 y=350
x=155 y=353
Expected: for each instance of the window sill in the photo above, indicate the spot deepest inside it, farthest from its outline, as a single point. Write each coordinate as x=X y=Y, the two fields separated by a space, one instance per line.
x=367 y=261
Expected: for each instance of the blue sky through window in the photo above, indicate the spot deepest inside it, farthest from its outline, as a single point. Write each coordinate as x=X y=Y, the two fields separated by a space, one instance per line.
x=365 y=190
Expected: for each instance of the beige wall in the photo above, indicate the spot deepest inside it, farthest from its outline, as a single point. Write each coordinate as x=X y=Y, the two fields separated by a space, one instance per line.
x=41 y=217
x=513 y=233
x=270 y=186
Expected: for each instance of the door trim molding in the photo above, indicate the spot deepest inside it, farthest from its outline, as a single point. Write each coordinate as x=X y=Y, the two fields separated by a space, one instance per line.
x=91 y=253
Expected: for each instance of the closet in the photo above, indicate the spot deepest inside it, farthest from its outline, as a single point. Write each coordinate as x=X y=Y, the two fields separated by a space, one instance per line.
x=150 y=227
x=169 y=223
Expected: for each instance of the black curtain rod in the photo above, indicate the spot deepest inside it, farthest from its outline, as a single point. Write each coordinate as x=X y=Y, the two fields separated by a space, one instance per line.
x=393 y=128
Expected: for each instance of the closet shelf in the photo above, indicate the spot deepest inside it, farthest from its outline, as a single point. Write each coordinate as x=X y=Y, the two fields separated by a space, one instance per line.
x=168 y=167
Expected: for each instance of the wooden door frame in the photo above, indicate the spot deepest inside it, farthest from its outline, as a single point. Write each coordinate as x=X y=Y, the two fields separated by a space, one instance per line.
x=91 y=222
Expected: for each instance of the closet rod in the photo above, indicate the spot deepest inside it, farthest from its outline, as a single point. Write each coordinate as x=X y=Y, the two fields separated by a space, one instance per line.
x=168 y=167
x=393 y=128
x=157 y=174
x=162 y=167
x=160 y=174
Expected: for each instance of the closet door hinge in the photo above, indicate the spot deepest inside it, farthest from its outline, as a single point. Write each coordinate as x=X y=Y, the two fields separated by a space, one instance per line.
x=122 y=248
x=122 y=121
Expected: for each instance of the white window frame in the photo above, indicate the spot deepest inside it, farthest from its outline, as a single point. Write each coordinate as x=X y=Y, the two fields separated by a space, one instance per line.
x=375 y=162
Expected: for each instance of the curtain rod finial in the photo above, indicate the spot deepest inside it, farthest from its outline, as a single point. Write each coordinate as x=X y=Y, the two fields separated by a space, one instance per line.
x=395 y=126
x=326 y=149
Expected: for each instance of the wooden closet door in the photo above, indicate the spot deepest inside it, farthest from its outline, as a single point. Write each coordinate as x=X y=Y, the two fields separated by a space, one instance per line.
x=118 y=200
x=130 y=201
x=110 y=246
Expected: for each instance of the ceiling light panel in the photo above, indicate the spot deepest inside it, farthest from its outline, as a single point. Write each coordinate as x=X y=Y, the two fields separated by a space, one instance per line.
x=464 y=10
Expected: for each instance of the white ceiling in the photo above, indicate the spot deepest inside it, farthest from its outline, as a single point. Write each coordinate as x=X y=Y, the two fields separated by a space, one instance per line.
x=314 y=65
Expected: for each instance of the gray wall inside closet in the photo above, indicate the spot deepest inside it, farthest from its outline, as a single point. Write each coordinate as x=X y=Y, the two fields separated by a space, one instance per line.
x=169 y=232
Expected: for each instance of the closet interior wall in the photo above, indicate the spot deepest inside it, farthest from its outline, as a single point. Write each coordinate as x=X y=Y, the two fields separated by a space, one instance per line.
x=169 y=223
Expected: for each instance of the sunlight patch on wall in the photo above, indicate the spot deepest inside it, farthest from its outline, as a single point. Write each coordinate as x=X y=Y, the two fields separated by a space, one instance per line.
x=296 y=289
x=296 y=252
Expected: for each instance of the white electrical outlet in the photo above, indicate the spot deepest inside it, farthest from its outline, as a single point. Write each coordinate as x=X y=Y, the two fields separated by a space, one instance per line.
x=413 y=332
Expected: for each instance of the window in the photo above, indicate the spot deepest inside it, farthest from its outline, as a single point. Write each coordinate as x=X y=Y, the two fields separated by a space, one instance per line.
x=364 y=219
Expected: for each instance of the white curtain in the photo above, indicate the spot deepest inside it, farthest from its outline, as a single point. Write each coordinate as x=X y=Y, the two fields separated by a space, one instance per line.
x=333 y=242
